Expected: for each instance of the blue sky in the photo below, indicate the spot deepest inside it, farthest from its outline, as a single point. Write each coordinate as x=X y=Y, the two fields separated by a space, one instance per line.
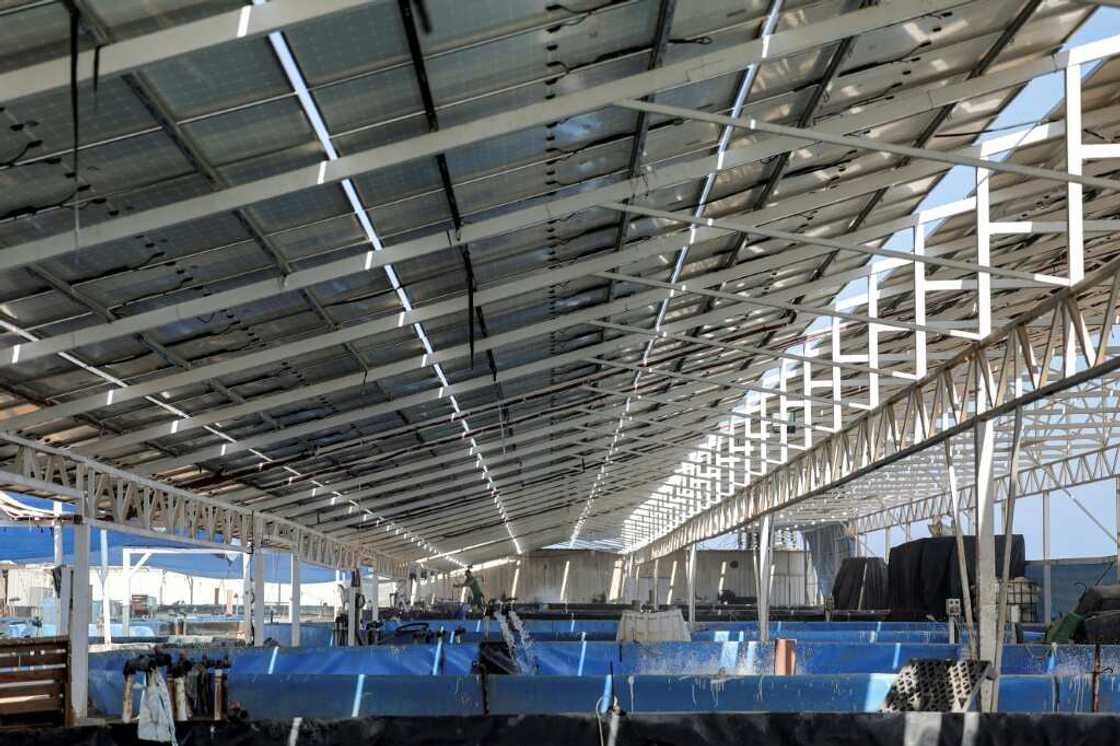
x=1073 y=533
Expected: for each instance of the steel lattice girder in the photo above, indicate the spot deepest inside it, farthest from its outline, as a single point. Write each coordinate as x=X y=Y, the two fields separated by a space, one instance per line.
x=912 y=420
x=126 y=502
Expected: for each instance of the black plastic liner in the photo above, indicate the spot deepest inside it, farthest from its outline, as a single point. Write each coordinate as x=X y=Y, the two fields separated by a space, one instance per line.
x=924 y=573
x=777 y=729
x=1099 y=598
x=1102 y=628
x=495 y=658
x=861 y=583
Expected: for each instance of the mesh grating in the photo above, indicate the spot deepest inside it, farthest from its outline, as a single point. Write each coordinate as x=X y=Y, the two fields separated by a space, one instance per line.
x=929 y=685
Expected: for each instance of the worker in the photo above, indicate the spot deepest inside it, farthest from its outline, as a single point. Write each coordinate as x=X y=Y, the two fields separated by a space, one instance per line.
x=470 y=582
x=400 y=596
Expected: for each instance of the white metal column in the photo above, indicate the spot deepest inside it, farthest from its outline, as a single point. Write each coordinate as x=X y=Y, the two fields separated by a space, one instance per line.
x=986 y=547
x=1047 y=593
x=765 y=563
x=79 y=622
x=1117 y=489
x=56 y=533
x=126 y=607
x=1075 y=208
x=692 y=585
x=376 y=601
x=62 y=621
x=352 y=607
x=258 y=596
x=247 y=591
x=656 y=583
x=984 y=446
x=294 y=601
x=103 y=576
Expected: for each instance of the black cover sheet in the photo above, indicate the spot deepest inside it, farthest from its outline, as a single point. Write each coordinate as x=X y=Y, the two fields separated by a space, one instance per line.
x=494 y=657
x=772 y=729
x=1099 y=598
x=923 y=573
x=1102 y=628
x=861 y=574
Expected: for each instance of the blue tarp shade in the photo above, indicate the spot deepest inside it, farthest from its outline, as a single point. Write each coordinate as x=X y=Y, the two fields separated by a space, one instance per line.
x=36 y=545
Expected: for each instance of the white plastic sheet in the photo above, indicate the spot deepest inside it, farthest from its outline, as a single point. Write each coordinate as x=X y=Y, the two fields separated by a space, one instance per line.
x=155 y=722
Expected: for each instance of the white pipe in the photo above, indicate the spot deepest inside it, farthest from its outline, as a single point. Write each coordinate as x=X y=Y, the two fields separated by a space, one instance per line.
x=106 y=611
x=79 y=624
x=258 y=596
x=294 y=601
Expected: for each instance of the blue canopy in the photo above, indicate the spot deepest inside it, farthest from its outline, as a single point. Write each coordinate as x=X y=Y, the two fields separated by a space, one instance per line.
x=35 y=545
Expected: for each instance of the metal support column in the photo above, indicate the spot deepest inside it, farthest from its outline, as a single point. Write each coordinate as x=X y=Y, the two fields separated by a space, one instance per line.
x=103 y=576
x=375 y=602
x=79 y=623
x=352 y=614
x=1047 y=592
x=1008 y=534
x=246 y=592
x=56 y=533
x=62 y=621
x=984 y=447
x=765 y=565
x=126 y=607
x=692 y=585
x=656 y=583
x=986 y=547
x=258 y=596
x=1117 y=490
x=294 y=601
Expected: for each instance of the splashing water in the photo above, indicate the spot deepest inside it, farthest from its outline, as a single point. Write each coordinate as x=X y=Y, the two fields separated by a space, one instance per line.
x=523 y=634
x=507 y=633
x=519 y=643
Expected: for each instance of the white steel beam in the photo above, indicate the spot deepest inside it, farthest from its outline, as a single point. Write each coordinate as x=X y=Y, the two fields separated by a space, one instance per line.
x=250 y=21
x=456 y=389
x=865 y=143
x=686 y=72
x=667 y=176
x=832 y=244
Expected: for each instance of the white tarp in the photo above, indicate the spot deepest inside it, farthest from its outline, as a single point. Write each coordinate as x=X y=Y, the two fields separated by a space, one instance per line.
x=657 y=626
